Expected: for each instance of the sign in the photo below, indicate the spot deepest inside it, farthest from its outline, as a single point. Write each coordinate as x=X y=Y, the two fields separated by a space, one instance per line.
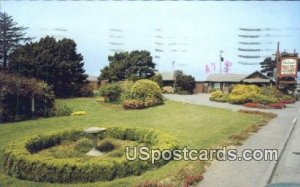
x=288 y=67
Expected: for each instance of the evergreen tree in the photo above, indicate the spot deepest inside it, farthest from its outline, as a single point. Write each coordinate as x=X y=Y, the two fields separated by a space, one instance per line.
x=11 y=36
x=128 y=65
x=184 y=82
x=268 y=66
x=55 y=62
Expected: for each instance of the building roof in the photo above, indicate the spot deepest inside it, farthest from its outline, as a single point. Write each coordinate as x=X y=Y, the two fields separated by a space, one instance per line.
x=257 y=80
x=167 y=76
x=91 y=78
x=229 y=77
x=255 y=77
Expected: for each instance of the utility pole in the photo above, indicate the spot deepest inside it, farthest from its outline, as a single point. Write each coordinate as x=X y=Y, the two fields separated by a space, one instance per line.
x=277 y=56
x=174 y=76
x=221 y=60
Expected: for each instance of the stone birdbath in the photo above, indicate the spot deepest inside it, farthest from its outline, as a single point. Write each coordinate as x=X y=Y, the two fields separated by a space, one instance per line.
x=95 y=131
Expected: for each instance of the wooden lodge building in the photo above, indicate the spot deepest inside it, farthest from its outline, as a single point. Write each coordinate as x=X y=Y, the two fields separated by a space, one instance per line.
x=225 y=81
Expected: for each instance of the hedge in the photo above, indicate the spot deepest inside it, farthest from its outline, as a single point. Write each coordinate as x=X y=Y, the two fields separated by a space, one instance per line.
x=21 y=158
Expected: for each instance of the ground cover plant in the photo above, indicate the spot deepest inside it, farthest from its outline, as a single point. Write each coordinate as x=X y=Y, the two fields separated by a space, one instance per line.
x=194 y=131
x=253 y=96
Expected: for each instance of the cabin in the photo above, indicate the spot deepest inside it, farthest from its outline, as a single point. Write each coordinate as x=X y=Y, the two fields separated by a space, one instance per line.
x=93 y=82
x=225 y=81
x=168 y=78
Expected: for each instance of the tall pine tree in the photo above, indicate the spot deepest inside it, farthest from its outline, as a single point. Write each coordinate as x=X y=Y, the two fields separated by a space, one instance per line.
x=268 y=66
x=11 y=36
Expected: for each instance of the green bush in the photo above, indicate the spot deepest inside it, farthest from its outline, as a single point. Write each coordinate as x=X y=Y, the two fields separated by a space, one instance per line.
x=22 y=160
x=222 y=99
x=215 y=95
x=16 y=95
x=126 y=89
x=270 y=90
x=218 y=96
x=185 y=82
x=146 y=89
x=241 y=94
x=86 y=91
x=288 y=97
x=62 y=110
x=265 y=99
x=110 y=92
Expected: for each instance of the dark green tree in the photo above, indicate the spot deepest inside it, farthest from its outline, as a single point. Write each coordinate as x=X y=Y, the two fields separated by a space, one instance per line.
x=11 y=36
x=184 y=82
x=158 y=79
x=268 y=66
x=55 y=62
x=128 y=65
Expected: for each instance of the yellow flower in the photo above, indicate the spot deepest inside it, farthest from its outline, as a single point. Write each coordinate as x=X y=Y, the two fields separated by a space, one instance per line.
x=78 y=113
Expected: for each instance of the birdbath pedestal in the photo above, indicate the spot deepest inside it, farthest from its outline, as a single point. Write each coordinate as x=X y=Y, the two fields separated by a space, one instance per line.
x=94 y=131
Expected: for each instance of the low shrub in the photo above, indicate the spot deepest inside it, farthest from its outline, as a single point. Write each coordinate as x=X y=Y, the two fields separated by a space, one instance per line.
x=223 y=99
x=272 y=91
x=252 y=105
x=277 y=105
x=287 y=97
x=62 y=110
x=110 y=92
x=218 y=96
x=167 y=89
x=151 y=102
x=288 y=101
x=133 y=104
x=241 y=94
x=215 y=95
x=22 y=160
x=86 y=91
x=264 y=99
x=126 y=89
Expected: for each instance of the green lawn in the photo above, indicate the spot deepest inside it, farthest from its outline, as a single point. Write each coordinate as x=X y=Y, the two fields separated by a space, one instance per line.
x=193 y=126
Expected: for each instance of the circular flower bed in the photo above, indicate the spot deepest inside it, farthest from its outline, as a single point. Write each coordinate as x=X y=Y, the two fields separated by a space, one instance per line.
x=21 y=158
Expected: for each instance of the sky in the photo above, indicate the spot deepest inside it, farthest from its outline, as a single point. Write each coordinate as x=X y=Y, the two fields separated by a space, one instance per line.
x=190 y=34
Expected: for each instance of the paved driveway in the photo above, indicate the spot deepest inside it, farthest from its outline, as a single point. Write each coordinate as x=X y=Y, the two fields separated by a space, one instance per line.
x=203 y=99
x=281 y=133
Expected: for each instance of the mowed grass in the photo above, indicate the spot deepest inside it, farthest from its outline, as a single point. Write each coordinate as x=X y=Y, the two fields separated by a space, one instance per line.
x=193 y=126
